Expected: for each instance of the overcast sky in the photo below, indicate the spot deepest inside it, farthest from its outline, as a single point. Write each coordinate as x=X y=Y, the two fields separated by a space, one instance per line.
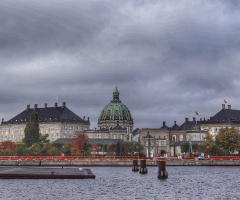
x=170 y=58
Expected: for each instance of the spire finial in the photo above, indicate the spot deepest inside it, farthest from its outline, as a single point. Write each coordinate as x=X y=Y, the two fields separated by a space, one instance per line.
x=116 y=83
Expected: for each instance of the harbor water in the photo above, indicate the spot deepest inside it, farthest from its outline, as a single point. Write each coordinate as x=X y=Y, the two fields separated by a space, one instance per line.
x=121 y=183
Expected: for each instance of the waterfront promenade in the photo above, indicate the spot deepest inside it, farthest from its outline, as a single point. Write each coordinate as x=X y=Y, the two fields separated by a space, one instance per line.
x=76 y=161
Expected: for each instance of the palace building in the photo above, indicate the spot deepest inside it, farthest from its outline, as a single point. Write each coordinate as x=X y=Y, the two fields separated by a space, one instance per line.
x=116 y=116
x=57 y=122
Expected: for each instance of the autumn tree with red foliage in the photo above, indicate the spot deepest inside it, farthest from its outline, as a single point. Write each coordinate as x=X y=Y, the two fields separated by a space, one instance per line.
x=8 y=145
x=78 y=143
x=94 y=148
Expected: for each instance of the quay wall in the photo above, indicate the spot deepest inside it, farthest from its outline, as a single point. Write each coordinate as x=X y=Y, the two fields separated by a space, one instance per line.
x=117 y=163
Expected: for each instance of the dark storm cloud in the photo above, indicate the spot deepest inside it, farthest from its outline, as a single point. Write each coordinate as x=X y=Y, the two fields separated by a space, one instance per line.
x=170 y=57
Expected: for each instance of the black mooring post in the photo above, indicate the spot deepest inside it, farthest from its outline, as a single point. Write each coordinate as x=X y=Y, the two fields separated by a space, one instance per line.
x=143 y=169
x=162 y=173
x=135 y=167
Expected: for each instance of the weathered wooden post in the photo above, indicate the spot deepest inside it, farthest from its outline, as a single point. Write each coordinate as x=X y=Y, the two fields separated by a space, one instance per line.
x=162 y=173
x=143 y=169
x=135 y=167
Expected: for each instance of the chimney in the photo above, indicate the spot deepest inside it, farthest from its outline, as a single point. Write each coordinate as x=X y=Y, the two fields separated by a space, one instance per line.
x=194 y=119
x=88 y=119
x=175 y=122
x=164 y=123
x=56 y=104
x=229 y=107
x=2 y=119
x=200 y=119
x=28 y=107
x=186 y=120
x=223 y=106
x=83 y=117
x=45 y=105
x=35 y=106
x=63 y=104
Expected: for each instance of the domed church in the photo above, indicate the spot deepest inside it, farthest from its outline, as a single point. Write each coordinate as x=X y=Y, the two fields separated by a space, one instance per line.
x=116 y=115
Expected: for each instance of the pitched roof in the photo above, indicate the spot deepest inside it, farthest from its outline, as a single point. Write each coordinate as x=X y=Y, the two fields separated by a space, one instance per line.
x=135 y=131
x=164 y=127
x=175 y=127
x=227 y=115
x=190 y=125
x=118 y=128
x=48 y=114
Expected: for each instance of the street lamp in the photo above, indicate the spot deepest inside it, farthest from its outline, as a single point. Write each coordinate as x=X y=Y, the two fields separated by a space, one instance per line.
x=149 y=145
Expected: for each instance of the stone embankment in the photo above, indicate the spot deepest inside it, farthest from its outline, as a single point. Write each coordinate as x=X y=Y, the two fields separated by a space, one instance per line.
x=117 y=162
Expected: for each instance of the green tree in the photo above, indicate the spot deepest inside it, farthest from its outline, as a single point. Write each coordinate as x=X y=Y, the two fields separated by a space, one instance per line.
x=185 y=147
x=118 y=148
x=228 y=139
x=32 y=130
x=194 y=147
x=43 y=138
x=208 y=144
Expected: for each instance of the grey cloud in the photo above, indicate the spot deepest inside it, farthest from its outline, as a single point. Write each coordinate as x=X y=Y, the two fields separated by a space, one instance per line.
x=170 y=57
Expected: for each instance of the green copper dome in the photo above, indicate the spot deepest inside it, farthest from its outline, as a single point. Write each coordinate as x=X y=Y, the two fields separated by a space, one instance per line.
x=115 y=110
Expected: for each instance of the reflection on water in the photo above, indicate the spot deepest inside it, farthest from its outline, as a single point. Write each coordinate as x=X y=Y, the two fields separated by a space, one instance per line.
x=122 y=183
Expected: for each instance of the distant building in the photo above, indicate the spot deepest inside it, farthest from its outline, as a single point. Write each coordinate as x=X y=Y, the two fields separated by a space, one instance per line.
x=116 y=114
x=227 y=117
x=57 y=121
x=155 y=141
x=115 y=133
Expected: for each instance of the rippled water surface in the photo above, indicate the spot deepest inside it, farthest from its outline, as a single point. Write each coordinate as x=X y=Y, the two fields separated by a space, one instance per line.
x=122 y=183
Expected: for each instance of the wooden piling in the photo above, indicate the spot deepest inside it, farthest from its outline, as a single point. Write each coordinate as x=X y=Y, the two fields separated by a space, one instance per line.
x=162 y=173
x=135 y=167
x=143 y=169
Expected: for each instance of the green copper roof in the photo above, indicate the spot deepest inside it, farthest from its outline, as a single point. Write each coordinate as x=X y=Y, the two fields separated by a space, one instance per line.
x=115 y=110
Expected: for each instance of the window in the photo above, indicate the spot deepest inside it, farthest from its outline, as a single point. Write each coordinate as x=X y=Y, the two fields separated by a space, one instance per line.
x=146 y=143
x=215 y=130
x=52 y=127
x=157 y=143
x=106 y=136
x=181 y=137
x=162 y=143
x=122 y=136
x=187 y=137
x=65 y=127
x=70 y=127
x=64 y=136
x=90 y=136
x=210 y=129
x=114 y=136
x=21 y=137
x=99 y=136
